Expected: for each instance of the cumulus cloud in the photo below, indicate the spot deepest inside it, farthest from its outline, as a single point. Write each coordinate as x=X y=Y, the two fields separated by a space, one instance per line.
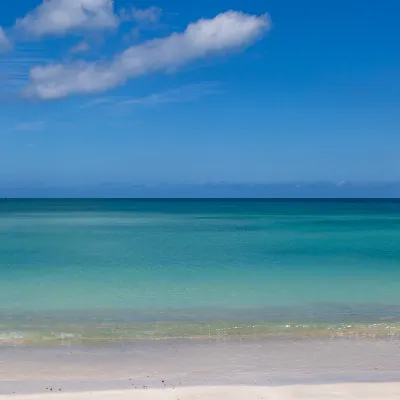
x=58 y=17
x=226 y=32
x=5 y=43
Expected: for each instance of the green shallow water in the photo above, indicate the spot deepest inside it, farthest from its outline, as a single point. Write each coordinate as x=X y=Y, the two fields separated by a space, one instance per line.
x=124 y=269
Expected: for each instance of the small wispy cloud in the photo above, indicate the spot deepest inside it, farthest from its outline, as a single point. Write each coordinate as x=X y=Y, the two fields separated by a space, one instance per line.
x=31 y=126
x=150 y=15
x=14 y=69
x=81 y=47
x=182 y=94
x=98 y=101
x=5 y=42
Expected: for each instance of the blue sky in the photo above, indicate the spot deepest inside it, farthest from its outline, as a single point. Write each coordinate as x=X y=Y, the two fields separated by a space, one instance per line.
x=173 y=91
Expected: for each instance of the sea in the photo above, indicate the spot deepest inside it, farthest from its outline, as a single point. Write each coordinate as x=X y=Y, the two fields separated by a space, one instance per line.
x=83 y=271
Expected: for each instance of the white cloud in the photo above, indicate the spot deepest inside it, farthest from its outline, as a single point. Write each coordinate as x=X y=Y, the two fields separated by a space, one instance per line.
x=227 y=31
x=151 y=14
x=98 y=101
x=5 y=43
x=80 y=47
x=57 y=17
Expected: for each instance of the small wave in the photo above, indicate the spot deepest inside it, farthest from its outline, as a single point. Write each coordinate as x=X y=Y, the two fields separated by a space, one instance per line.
x=216 y=331
x=11 y=337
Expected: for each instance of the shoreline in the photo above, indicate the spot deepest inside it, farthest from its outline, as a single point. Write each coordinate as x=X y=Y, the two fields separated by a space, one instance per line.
x=201 y=331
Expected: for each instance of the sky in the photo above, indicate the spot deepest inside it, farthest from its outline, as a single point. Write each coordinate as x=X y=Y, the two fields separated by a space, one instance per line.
x=234 y=91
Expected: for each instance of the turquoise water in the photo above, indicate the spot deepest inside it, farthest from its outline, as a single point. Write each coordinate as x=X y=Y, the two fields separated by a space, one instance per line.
x=154 y=268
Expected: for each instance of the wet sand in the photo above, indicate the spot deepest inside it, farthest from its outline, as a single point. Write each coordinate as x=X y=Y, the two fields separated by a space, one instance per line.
x=172 y=369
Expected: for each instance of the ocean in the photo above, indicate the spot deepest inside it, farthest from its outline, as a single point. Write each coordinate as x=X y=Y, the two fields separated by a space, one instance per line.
x=85 y=271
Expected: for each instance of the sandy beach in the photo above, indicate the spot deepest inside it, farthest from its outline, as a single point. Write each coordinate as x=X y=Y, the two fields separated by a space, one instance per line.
x=389 y=391
x=201 y=369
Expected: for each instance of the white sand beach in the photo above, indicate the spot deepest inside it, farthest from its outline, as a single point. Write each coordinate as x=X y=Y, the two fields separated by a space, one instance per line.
x=374 y=391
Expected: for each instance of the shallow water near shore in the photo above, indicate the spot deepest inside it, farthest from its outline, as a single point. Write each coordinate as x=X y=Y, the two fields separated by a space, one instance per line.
x=82 y=271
